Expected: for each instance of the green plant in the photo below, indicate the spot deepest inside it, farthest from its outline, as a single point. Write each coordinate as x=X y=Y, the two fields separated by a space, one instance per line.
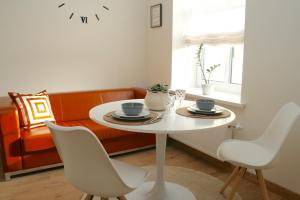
x=158 y=88
x=199 y=56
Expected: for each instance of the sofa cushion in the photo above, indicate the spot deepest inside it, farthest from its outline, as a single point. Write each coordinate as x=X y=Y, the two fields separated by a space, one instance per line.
x=55 y=101
x=75 y=105
x=38 y=139
x=33 y=109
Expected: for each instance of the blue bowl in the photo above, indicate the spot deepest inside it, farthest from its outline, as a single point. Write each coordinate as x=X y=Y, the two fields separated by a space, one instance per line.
x=132 y=109
x=205 y=104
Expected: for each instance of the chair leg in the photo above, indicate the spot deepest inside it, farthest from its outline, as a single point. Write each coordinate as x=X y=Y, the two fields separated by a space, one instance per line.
x=240 y=175
x=122 y=198
x=230 y=179
x=262 y=184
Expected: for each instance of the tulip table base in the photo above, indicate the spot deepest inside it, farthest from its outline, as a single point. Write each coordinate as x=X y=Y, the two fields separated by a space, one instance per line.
x=160 y=189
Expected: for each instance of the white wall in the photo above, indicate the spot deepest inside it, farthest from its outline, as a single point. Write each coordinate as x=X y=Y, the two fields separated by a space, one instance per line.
x=40 y=48
x=159 y=45
x=270 y=78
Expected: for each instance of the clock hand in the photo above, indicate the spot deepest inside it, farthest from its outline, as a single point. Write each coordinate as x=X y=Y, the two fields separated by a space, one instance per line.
x=71 y=16
x=97 y=17
x=61 y=5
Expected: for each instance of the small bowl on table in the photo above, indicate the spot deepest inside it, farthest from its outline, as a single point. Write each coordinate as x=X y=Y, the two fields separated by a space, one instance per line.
x=205 y=104
x=132 y=109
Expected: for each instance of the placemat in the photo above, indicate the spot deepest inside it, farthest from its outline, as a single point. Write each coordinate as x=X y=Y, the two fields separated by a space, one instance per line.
x=184 y=112
x=154 y=118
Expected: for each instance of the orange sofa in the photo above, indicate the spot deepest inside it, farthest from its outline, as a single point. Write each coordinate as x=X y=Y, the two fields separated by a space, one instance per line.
x=29 y=150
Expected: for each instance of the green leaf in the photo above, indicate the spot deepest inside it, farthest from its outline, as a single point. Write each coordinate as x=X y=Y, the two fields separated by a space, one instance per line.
x=158 y=88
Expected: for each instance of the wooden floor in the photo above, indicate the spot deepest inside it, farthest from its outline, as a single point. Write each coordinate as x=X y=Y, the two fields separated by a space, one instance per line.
x=177 y=157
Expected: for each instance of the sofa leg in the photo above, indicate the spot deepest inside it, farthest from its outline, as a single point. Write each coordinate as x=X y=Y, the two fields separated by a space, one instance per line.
x=7 y=177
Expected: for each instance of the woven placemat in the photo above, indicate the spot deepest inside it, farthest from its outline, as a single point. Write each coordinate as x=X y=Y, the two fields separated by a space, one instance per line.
x=184 y=112
x=153 y=119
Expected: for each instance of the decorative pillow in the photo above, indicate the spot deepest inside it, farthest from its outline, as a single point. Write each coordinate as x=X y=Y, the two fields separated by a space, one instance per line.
x=33 y=109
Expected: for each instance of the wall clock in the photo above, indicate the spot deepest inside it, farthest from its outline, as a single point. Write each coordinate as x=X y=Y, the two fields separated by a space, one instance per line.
x=85 y=18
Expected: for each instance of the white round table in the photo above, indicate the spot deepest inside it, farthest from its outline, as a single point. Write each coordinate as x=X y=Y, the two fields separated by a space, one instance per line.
x=171 y=123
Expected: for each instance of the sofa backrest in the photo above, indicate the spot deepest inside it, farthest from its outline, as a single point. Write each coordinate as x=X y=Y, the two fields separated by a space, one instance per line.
x=76 y=105
x=71 y=106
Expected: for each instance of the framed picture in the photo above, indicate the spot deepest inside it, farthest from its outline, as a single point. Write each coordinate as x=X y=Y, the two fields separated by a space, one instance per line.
x=156 y=16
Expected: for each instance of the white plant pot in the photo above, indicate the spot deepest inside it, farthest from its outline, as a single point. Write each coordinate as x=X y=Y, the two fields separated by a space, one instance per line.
x=157 y=101
x=207 y=89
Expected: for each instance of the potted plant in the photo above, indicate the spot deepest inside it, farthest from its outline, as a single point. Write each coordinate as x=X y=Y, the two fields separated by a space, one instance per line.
x=207 y=86
x=157 y=97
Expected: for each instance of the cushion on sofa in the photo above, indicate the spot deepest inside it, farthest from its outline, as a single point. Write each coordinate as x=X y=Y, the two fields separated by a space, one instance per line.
x=38 y=139
x=33 y=109
x=102 y=132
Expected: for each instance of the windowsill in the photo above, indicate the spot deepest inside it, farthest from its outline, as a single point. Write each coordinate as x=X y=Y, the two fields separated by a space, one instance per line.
x=226 y=98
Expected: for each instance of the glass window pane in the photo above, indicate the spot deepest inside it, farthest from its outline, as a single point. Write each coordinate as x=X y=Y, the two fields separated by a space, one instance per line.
x=237 y=64
x=214 y=55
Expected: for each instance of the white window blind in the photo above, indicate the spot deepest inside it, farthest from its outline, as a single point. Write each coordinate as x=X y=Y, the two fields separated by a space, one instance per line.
x=216 y=38
x=216 y=22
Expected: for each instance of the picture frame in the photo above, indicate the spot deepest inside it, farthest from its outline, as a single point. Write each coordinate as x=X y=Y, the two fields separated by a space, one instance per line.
x=156 y=15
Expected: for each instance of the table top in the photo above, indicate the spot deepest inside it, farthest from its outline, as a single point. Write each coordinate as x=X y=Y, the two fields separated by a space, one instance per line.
x=171 y=123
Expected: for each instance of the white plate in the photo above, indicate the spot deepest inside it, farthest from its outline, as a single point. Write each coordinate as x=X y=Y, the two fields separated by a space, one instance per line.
x=119 y=114
x=216 y=110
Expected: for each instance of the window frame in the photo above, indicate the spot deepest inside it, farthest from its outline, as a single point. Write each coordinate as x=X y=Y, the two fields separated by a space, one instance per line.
x=227 y=85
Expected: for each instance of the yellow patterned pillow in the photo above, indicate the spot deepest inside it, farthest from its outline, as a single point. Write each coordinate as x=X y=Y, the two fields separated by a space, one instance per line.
x=33 y=109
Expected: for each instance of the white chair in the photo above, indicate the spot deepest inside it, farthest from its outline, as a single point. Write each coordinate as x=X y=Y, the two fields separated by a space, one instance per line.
x=258 y=154
x=88 y=167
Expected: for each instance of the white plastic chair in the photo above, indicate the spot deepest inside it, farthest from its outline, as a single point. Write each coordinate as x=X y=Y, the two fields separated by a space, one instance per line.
x=258 y=154
x=88 y=167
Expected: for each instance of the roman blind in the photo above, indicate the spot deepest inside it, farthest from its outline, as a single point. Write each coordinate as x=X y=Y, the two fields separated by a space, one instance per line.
x=217 y=22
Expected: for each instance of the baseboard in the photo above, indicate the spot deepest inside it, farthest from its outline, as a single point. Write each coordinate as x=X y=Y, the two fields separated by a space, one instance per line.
x=9 y=175
x=273 y=187
x=223 y=165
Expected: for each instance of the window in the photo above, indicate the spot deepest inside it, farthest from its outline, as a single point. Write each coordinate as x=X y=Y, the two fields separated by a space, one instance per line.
x=237 y=64
x=219 y=26
x=230 y=58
